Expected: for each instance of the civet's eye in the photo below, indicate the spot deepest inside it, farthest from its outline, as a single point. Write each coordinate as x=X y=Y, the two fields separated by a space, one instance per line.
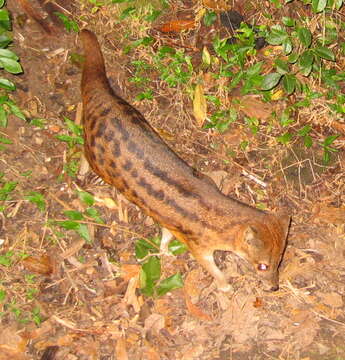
x=262 y=267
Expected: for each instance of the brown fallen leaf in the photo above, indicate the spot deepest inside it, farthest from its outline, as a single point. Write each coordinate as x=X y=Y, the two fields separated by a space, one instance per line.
x=121 y=351
x=199 y=105
x=193 y=283
x=329 y=214
x=155 y=323
x=193 y=352
x=12 y=345
x=73 y=249
x=177 y=25
x=253 y=107
x=150 y=353
x=332 y=299
x=222 y=5
x=38 y=264
x=131 y=297
x=128 y=271
x=195 y=311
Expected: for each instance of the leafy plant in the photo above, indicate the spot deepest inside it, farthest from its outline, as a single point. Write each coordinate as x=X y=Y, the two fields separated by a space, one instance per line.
x=8 y=107
x=6 y=258
x=173 y=66
x=6 y=190
x=327 y=148
x=77 y=134
x=69 y=24
x=209 y=18
x=77 y=220
x=307 y=57
x=38 y=199
x=150 y=275
x=9 y=61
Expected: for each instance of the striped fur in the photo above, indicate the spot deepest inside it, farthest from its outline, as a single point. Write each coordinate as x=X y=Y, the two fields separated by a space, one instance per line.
x=127 y=153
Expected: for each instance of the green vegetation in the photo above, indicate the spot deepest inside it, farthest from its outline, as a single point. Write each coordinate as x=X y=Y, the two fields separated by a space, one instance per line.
x=9 y=61
x=306 y=55
x=77 y=220
x=151 y=283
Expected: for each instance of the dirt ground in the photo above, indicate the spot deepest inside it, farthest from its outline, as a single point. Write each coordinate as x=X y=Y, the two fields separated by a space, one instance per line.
x=90 y=307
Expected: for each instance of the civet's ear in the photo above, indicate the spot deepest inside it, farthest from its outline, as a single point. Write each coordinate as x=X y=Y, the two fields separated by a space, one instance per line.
x=250 y=237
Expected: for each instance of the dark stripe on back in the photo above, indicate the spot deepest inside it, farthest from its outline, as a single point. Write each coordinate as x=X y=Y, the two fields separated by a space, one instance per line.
x=109 y=135
x=127 y=165
x=134 y=149
x=116 y=151
x=120 y=128
x=101 y=129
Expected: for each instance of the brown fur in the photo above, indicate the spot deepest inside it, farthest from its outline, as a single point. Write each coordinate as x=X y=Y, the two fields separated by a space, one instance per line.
x=127 y=152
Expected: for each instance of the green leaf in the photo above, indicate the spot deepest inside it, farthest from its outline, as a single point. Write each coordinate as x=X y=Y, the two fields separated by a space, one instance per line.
x=143 y=248
x=7 y=189
x=3 y=117
x=177 y=247
x=4 y=140
x=324 y=53
x=86 y=198
x=329 y=140
x=5 y=40
x=305 y=130
x=83 y=231
x=127 y=12
x=287 y=46
x=284 y=139
x=5 y=259
x=152 y=268
x=7 y=84
x=289 y=83
x=277 y=35
x=146 y=285
x=326 y=157
x=285 y=118
x=38 y=199
x=338 y=4
x=2 y=3
x=10 y=65
x=304 y=36
x=69 y=24
x=318 y=5
x=74 y=215
x=306 y=62
x=38 y=122
x=8 y=54
x=171 y=283
x=93 y=213
x=308 y=141
x=73 y=127
x=5 y=22
x=153 y=15
x=68 y=224
x=254 y=69
x=282 y=66
x=209 y=18
x=287 y=21
x=16 y=111
x=270 y=81
x=293 y=58
x=2 y=295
